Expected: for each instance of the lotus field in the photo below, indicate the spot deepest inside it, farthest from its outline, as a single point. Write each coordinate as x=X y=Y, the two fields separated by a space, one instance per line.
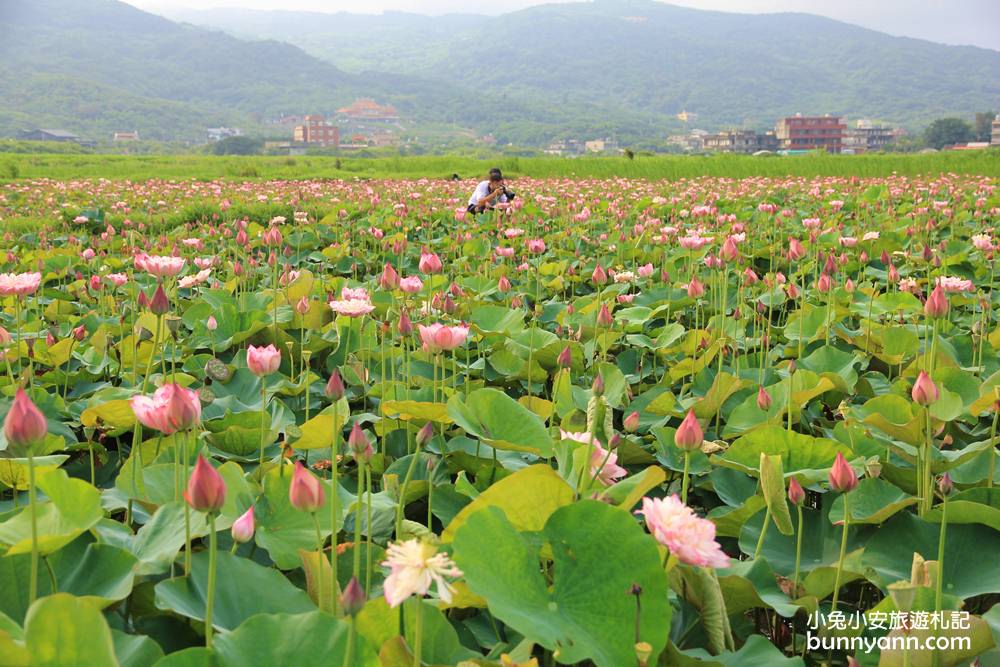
x=615 y=423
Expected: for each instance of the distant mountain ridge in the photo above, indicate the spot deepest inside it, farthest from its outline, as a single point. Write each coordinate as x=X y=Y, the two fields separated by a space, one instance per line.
x=620 y=68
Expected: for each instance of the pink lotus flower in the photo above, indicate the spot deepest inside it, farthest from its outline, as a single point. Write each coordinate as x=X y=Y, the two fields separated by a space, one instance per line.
x=688 y=537
x=263 y=360
x=116 y=279
x=536 y=246
x=439 y=337
x=19 y=284
x=171 y=408
x=954 y=284
x=411 y=284
x=414 y=567
x=607 y=472
x=206 y=492
x=159 y=266
x=646 y=270
x=352 y=307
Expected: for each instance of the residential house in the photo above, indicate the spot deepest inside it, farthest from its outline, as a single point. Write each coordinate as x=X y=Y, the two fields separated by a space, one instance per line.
x=807 y=133
x=316 y=131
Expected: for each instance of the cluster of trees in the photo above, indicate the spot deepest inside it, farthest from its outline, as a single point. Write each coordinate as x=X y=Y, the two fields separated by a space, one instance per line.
x=949 y=131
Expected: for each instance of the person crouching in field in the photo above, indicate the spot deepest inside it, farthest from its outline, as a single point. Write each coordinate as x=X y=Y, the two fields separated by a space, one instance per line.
x=489 y=193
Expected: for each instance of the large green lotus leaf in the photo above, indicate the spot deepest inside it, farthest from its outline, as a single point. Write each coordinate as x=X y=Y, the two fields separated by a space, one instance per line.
x=820 y=541
x=729 y=520
x=64 y=631
x=115 y=414
x=15 y=471
x=528 y=498
x=724 y=386
x=873 y=501
x=73 y=506
x=135 y=650
x=758 y=651
x=97 y=573
x=501 y=422
x=281 y=529
x=588 y=612
x=979 y=505
x=242 y=589
x=195 y=656
x=422 y=411
x=161 y=538
x=806 y=385
x=895 y=416
x=752 y=583
x=532 y=341
x=835 y=364
x=629 y=491
x=489 y=319
x=801 y=455
x=806 y=323
x=890 y=554
x=266 y=640
x=379 y=623
x=614 y=383
x=240 y=433
x=317 y=433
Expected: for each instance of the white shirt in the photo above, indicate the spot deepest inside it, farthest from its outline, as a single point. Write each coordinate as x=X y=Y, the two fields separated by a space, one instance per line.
x=483 y=190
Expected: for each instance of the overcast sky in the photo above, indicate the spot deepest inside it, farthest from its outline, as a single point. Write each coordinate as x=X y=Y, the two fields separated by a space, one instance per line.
x=975 y=22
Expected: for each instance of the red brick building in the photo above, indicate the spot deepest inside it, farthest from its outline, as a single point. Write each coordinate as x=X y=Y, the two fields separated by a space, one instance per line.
x=809 y=133
x=317 y=131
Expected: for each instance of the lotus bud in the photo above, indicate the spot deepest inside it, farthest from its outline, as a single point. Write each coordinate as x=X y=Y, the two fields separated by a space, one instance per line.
x=945 y=485
x=764 y=399
x=25 y=425
x=565 y=358
x=600 y=276
x=604 y=318
x=598 y=387
x=404 y=327
x=306 y=492
x=353 y=599
x=689 y=435
x=243 y=528
x=335 y=386
x=159 y=304
x=425 y=434
x=212 y=323
x=631 y=422
x=206 y=492
x=796 y=493
x=360 y=446
x=937 y=303
x=842 y=477
x=924 y=392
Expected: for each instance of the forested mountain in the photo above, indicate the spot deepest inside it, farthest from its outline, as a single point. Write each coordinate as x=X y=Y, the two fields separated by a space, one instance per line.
x=608 y=68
